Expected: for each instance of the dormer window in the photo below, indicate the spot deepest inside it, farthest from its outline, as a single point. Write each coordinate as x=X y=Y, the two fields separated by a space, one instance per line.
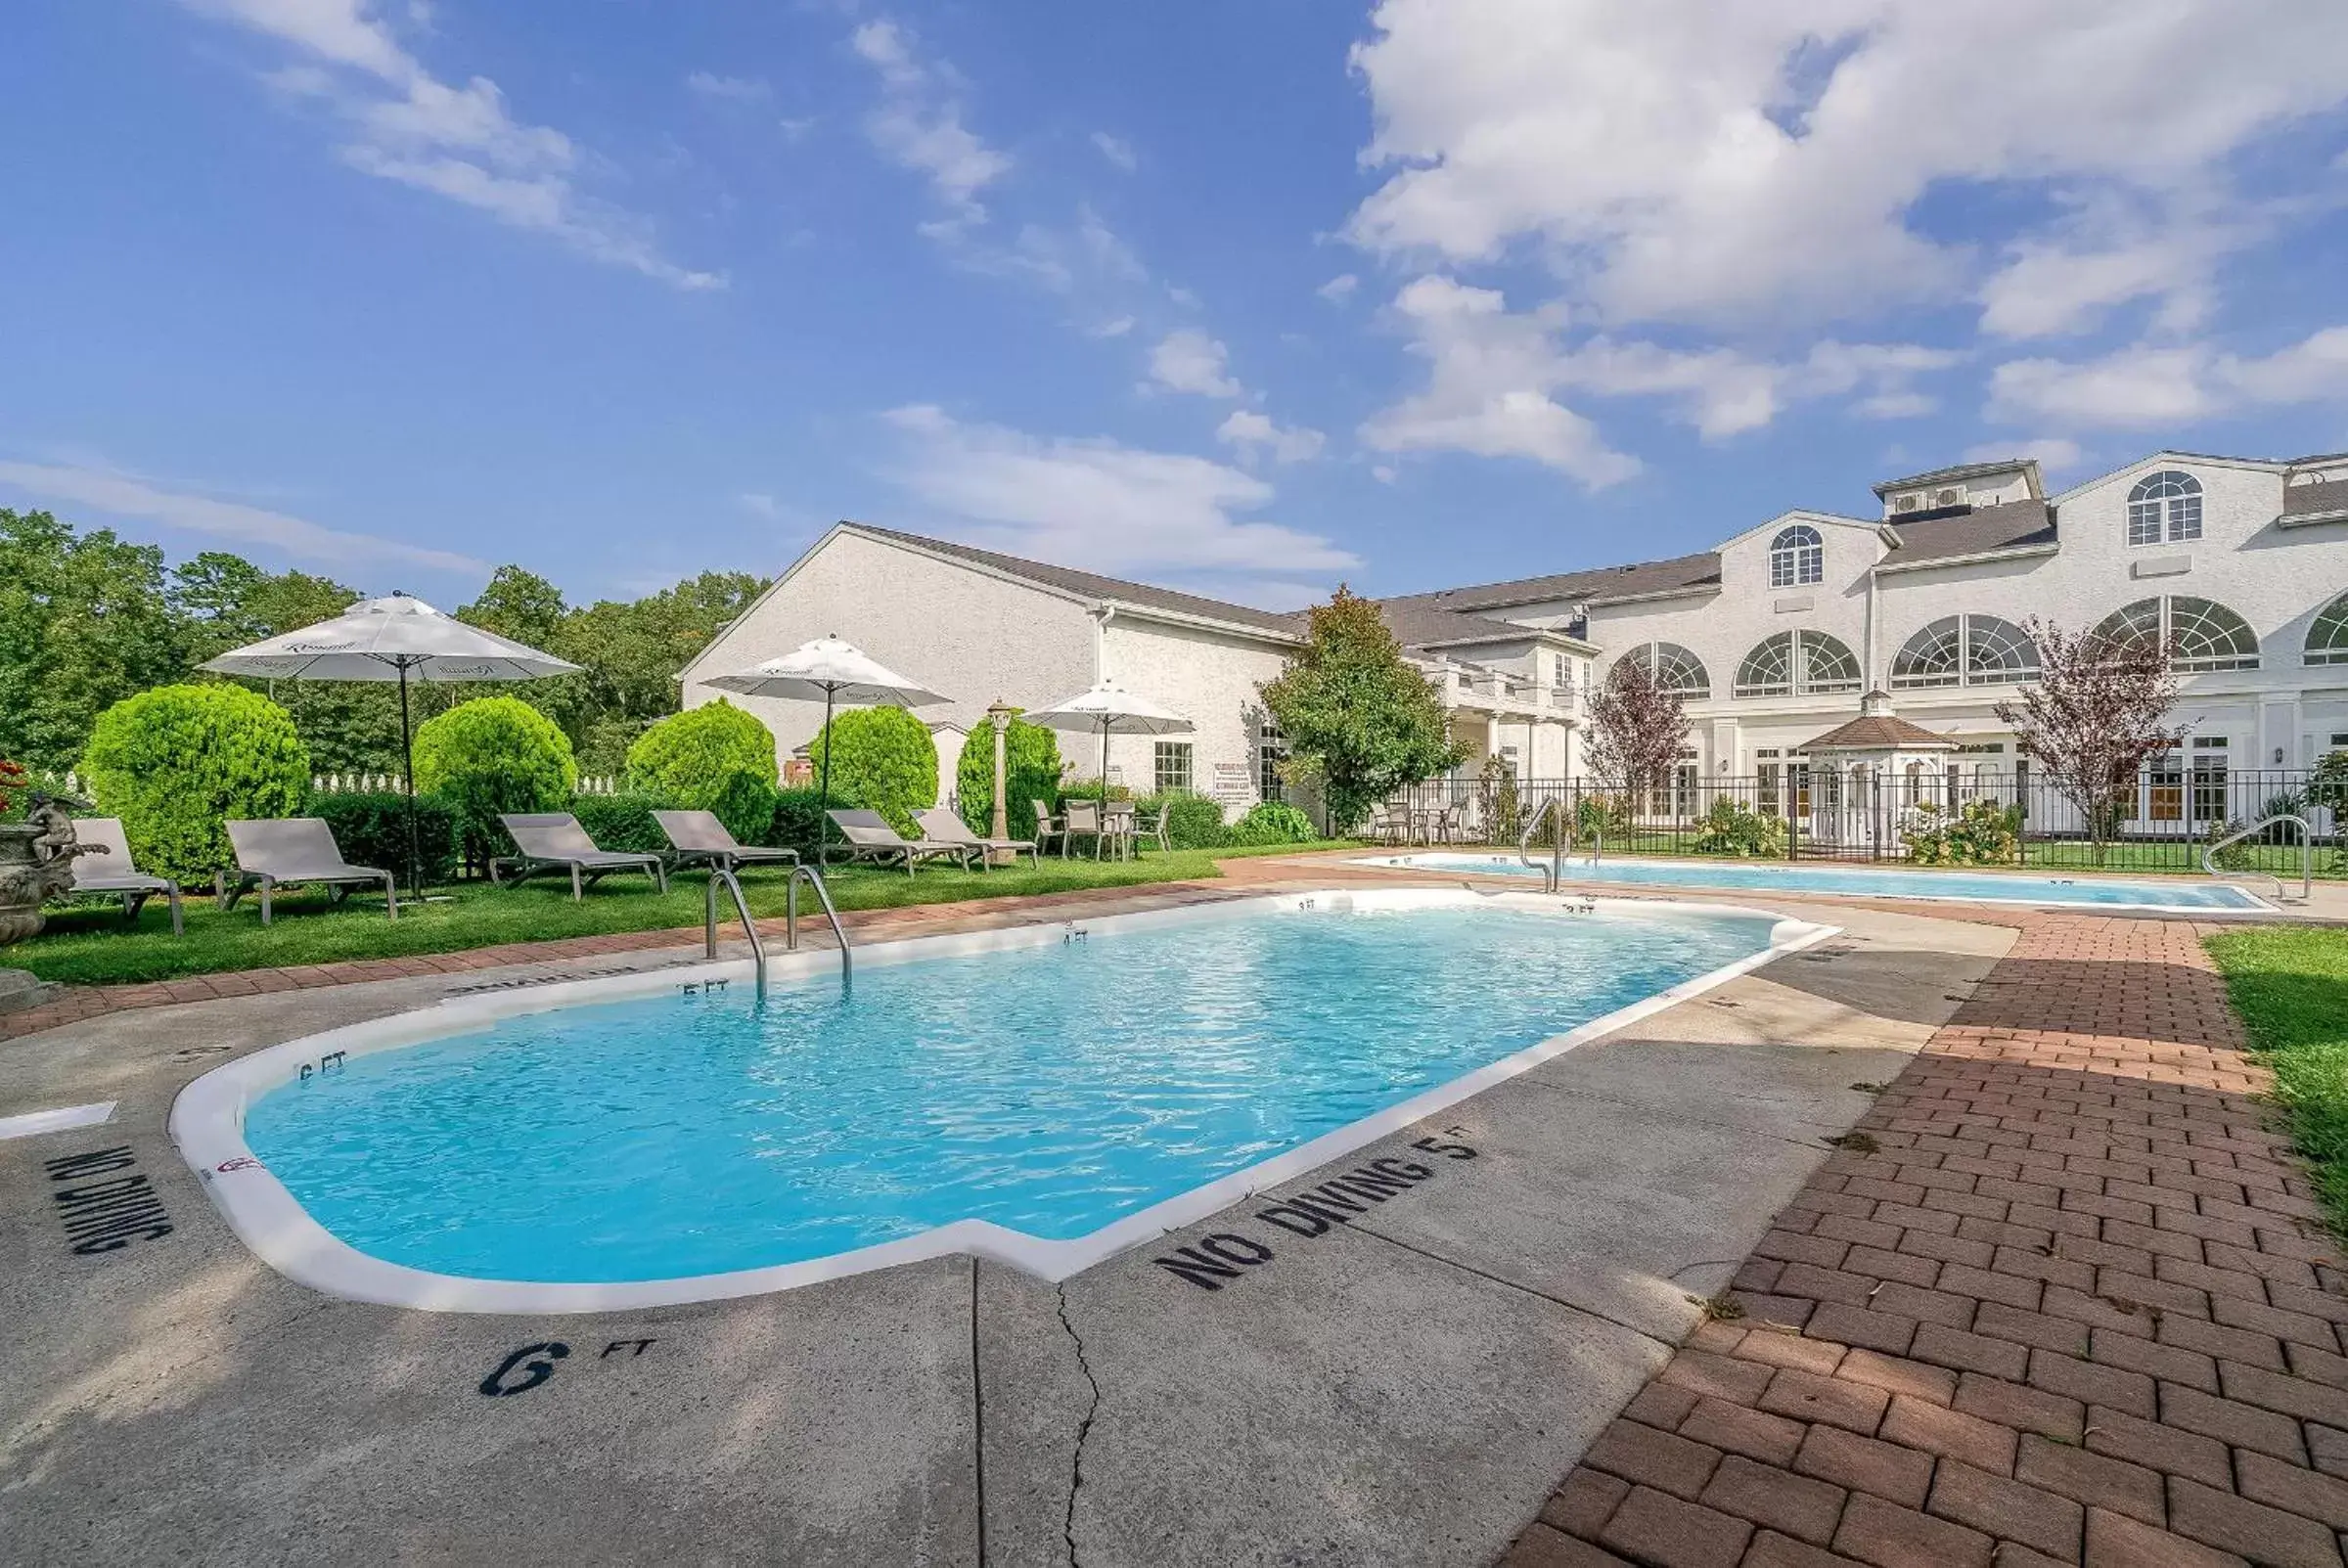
x=1796 y=556
x=2165 y=507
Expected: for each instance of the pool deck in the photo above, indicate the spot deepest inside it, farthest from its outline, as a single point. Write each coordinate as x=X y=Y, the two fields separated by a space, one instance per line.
x=1405 y=1388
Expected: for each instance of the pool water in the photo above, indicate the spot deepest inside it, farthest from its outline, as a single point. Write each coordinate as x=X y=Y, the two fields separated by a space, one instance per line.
x=1992 y=887
x=1052 y=1089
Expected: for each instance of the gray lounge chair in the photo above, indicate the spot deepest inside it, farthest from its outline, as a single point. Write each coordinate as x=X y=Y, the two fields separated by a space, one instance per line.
x=872 y=839
x=112 y=872
x=698 y=836
x=551 y=841
x=293 y=852
x=940 y=826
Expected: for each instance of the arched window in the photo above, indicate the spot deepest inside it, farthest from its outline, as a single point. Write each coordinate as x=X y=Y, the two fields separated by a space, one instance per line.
x=2165 y=505
x=1797 y=664
x=2199 y=634
x=1965 y=651
x=1675 y=669
x=1796 y=556
x=2327 y=639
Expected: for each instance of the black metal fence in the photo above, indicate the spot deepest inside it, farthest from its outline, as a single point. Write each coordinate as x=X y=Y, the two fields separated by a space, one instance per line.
x=1955 y=812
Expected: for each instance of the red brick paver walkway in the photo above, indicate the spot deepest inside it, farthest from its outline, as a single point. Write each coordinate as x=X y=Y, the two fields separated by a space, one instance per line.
x=2077 y=1307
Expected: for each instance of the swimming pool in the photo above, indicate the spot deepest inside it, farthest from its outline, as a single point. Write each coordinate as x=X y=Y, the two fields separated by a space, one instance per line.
x=1981 y=887
x=1044 y=1095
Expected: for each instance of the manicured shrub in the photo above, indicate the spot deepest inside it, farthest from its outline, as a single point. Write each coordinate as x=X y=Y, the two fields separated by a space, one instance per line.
x=692 y=757
x=1192 y=822
x=624 y=821
x=178 y=762
x=885 y=758
x=1030 y=773
x=371 y=829
x=1272 y=822
x=797 y=815
x=1731 y=828
x=1088 y=790
x=492 y=755
x=1981 y=833
x=747 y=806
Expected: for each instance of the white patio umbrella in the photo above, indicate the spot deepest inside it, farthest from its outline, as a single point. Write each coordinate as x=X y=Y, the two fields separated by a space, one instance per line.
x=392 y=639
x=839 y=672
x=1111 y=710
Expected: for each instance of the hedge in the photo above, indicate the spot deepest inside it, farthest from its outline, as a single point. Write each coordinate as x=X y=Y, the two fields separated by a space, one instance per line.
x=624 y=821
x=799 y=814
x=1272 y=822
x=492 y=755
x=178 y=762
x=885 y=758
x=371 y=829
x=1030 y=773
x=1192 y=822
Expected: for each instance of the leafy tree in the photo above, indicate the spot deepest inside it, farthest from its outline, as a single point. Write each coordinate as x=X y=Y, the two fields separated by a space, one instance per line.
x=1030 y=773
x=491 y=756
x=711 y=758
x=84 y=622
x=1360 y=722
x=178 y=762
x=2094 y=718
x=1636 y=727
x=884 y=758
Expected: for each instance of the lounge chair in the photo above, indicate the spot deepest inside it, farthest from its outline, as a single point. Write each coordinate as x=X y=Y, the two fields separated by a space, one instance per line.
x=554 y=840
x=292 y=852
x=872 y=839
x=941 y=826
x=113 y=872
x=698 y=836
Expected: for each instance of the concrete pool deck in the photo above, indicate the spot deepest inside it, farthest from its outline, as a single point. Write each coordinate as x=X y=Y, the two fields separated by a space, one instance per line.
x=1404 y=1388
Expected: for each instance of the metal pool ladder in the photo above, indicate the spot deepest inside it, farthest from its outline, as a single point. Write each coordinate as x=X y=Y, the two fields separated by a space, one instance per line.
x=1553 y=873
x=720 y=874
x=2307 y=855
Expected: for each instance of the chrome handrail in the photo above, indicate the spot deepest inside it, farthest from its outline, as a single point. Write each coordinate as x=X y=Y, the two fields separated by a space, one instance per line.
x=1553 y=873
x=2306 y=854
x=790 y=917
x=742 y=906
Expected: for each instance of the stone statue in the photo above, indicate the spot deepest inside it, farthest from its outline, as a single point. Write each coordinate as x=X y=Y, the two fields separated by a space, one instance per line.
x=36 y=864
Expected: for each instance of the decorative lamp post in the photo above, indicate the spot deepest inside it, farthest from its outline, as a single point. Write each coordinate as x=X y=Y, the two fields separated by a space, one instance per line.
x=1000 y=716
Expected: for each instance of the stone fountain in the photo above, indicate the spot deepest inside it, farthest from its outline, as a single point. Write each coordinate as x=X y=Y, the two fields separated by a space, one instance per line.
x=36 y=865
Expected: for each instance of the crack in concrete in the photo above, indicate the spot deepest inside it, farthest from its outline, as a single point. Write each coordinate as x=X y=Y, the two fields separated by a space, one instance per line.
x=1511 y=1284
x=1084 y=1427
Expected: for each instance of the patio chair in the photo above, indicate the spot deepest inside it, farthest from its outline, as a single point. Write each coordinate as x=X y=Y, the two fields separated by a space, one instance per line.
x=1049 y=828
x=1086 y=820
x=114 y=873
x=293 y=852
x=941 y=826
x=1152 y=825
x=698 y=838
x=550 y=841
x=872 y=840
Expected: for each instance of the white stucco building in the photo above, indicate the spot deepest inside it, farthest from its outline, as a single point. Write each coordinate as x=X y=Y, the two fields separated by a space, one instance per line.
x=1773 y=636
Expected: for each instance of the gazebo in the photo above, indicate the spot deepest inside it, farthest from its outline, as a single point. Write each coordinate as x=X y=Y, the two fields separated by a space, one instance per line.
x=1863 y=773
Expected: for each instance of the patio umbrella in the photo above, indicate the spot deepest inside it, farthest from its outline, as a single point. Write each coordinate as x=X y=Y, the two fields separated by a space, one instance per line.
x=1112 y=710
x=393 y=638
x=839 y=672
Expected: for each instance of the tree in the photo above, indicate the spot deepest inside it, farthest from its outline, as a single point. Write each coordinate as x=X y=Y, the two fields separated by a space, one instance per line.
x=1359 y=720
x=84 y=623
x=884 y=758
x=1636 y=727
x=2092 y=720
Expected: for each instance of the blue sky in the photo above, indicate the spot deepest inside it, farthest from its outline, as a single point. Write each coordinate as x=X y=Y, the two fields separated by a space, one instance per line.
x=1247 y=295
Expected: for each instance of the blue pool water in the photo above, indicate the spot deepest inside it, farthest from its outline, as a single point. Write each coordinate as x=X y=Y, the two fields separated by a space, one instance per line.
x=1988 y=888
x=1052 y=1089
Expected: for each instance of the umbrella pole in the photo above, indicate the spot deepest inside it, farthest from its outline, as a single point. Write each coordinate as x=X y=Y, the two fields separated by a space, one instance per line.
x=823 y=806
x=407 y=750
x=1103 y=834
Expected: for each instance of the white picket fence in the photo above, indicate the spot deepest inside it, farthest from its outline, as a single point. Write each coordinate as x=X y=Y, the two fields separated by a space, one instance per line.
x=338 y=783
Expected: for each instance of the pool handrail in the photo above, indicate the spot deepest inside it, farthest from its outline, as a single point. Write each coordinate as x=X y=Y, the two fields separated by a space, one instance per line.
x=790 y=917
x=2306 y=854
x=732 y=885
x=1554 y=873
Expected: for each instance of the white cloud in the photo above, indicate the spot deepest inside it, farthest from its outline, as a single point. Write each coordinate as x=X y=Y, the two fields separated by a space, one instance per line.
x=918 y=126
x=122 y=495
x=1493 y=374
x=1253 y=434
x=1117 y=150
x=1679 y=159
x=1100 y=504
x=1338 y=288
x=1190 y=361
x=758 y=504
x=2149 y=385
x=2052 y=452
x=456 y=142
x=733 y=89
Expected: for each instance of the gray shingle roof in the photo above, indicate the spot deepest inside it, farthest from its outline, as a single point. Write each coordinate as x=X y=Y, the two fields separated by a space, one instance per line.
x=1594 y=585
x=2011 y=526
x=1963 y=470
x=2299 y=500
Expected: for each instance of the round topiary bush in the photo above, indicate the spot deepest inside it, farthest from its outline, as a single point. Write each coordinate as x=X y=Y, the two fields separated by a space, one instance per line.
x=494 y=755
x=884 y=758
x=1030 y=773
x=179 y=761
x=692 y=757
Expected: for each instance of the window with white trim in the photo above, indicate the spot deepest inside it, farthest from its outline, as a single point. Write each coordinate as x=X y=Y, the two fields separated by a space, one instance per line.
x=1797 y=664
x=1172 y=765
x=2164 y=508
x=2328 y=638
x=1796 y=556
x=1965 y=650
x=2201 y=635
x=1675 y=669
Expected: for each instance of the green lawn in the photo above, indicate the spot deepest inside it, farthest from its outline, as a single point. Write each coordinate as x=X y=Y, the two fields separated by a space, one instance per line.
x=2290 y=985
x=91 y=945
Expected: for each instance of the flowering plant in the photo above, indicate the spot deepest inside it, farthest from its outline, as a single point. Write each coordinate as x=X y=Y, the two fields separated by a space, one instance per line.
x=14 y=781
